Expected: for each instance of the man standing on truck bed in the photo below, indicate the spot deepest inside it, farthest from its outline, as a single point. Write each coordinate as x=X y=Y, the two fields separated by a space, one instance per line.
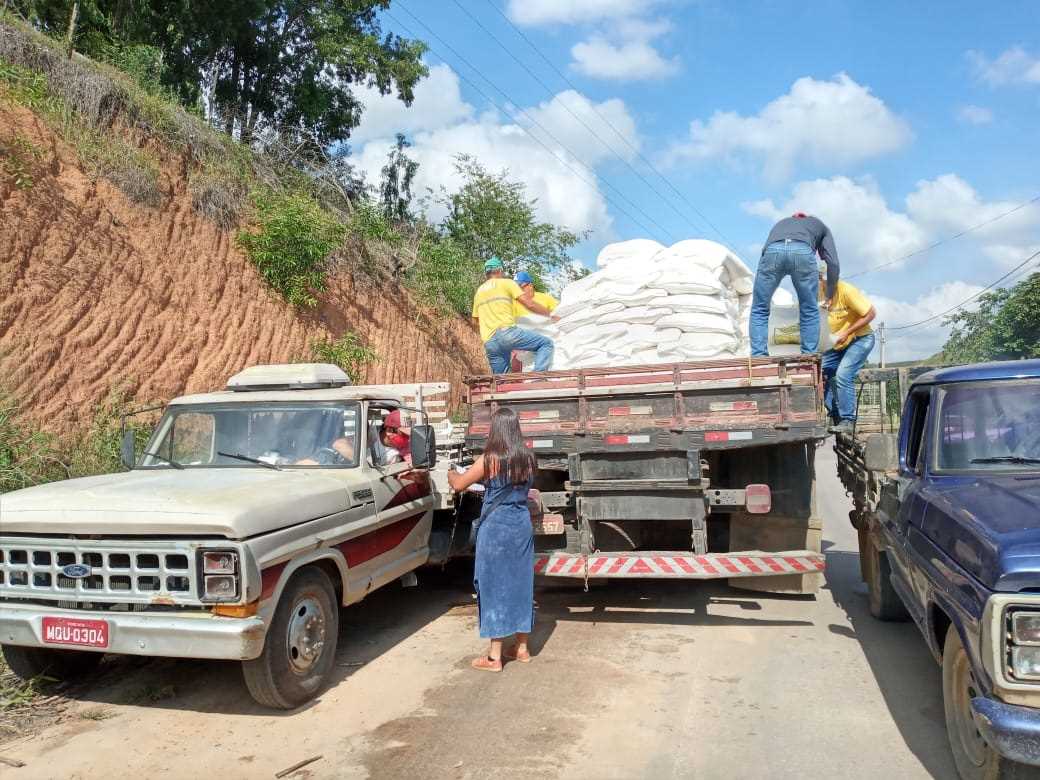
x=526 y=283
x=849 y=315
x=493 y=311
x=791 y=251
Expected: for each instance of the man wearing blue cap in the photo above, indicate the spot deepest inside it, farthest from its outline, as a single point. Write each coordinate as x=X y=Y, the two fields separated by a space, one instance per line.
x=495 y=313
x=526 y=283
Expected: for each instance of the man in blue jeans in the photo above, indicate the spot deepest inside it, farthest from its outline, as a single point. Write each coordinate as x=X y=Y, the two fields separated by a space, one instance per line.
x=849 y=315
x=791 y=251
x=495 y=314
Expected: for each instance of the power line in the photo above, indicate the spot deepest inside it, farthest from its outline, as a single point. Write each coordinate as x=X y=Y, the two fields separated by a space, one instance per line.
x=971 y=298
x=577 y=118
x=942 y=241
x=535 y=122
x=606 y=121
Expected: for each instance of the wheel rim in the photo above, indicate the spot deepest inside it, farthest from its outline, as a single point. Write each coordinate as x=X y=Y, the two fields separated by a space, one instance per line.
x=306 y=637
x=964 y=690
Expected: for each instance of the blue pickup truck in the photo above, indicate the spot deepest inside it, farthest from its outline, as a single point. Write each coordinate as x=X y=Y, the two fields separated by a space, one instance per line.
x=948 y=515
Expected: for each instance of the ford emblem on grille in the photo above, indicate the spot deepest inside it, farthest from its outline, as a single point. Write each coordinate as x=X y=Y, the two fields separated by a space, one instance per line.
x=76 y=571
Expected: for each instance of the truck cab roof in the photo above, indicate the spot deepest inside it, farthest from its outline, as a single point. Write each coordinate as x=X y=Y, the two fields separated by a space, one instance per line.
x=1006 y=369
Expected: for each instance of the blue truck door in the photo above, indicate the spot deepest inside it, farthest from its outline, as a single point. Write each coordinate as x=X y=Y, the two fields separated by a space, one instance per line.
x=912 y=503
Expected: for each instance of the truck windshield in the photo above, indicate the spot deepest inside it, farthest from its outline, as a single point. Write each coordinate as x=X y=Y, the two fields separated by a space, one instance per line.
x=256 y=436
x=990 y=426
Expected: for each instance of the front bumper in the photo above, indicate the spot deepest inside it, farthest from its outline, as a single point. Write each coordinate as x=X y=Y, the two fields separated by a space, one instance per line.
x=177 y=635
x=1011 y=730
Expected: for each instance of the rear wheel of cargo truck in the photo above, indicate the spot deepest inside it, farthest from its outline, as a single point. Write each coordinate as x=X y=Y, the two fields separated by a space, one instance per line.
x=300 y=647
x=885 y=603
x=791 y=523
x=30 y=662
x=974 y=757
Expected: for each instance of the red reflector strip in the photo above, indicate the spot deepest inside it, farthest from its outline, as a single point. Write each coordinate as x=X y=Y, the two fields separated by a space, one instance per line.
x=617 y=438
x=727 y=435
x=539 y=414
x=625 y=411
x=679 y=565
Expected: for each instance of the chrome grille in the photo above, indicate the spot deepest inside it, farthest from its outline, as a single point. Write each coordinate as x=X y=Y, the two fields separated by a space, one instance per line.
x=119 y=571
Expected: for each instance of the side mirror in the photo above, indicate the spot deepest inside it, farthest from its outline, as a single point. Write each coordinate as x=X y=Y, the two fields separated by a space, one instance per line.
x=127 y=449
x=424 y=446
x=881 y=452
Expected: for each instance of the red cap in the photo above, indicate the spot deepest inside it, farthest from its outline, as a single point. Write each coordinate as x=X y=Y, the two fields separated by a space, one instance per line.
x=392 y=420
x=799 y=215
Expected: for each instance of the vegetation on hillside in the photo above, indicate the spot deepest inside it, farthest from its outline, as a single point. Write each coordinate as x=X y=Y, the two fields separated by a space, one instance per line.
x=1005 y=326
x=29 y=456
x=226 y=90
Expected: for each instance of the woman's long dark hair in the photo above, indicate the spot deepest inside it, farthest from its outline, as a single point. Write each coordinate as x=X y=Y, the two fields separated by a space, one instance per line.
x=505 y=454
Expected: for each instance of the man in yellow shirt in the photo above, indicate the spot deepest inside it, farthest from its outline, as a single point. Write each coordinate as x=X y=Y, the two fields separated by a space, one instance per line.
x=849 y=315
x=494 y=312
x=526 y=283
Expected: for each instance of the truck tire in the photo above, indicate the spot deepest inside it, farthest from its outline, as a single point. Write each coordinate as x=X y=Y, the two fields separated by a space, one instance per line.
x=30 y=662
x=885 y=603
x=300 y=647
x=974 y=758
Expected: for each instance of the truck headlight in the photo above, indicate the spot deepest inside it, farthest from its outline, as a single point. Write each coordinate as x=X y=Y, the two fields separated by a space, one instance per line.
x=220 y=575
x=1025 y=628
x=1025 y=663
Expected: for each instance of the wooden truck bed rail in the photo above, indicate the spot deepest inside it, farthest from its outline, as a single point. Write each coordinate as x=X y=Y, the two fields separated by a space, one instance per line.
x=728 y=403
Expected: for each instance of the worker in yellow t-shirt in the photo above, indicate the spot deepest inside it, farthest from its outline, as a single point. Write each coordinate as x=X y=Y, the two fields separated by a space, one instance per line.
x=493 y=312
x=526 y=283
x=849 y=315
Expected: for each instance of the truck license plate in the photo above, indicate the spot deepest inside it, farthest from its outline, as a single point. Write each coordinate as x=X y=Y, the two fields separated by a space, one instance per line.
x=74 y=631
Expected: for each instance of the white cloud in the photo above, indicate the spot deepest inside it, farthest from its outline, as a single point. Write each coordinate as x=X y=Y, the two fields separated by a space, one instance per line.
x=975 y=115
x=948 y=204
x=438 y=102
x=441 y=125
x=1013 y=66
x=625 y=52
x=536 y=12
x=866 y=232
x=568 y=117
x=924 y=341
x=824 y=123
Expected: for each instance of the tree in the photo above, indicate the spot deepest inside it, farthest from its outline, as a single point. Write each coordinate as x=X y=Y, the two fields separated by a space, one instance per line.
x=255 y=66
x=491 y=215
x=284 y=65
x=395 y=189
x=1005 y=326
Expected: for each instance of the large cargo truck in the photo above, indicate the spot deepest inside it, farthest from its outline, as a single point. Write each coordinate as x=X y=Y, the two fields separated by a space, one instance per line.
x=700 y=470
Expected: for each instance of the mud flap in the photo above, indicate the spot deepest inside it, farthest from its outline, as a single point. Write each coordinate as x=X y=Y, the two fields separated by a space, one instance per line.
x=774 y=534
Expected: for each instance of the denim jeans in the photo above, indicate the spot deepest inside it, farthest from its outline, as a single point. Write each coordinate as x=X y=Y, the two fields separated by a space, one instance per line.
x=797 y=260
x=500 y=347
x=839 y=376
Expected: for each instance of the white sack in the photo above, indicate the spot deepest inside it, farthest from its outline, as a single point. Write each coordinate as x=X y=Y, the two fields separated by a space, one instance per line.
x=638 y=249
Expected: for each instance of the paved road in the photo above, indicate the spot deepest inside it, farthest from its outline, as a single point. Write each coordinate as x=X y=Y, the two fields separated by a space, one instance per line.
x=653 y=679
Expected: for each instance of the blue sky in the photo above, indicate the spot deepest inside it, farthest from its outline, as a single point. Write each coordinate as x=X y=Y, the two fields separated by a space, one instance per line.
x=899 y=124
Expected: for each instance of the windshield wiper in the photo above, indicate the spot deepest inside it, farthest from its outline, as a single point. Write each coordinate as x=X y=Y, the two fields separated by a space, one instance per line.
x=246 y=458
x=157 y=456
x=239 y=457
x=1006 y=459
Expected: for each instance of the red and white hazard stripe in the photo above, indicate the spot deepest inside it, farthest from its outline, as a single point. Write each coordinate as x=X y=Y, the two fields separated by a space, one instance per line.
x=688 y=566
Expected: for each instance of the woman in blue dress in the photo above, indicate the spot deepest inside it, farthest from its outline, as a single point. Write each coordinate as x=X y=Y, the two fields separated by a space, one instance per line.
x=504 y=570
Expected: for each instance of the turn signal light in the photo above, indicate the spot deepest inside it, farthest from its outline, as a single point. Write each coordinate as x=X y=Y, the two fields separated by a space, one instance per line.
x=237 y=610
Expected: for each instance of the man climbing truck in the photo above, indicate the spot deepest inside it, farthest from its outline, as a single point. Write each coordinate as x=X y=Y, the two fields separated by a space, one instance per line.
x=948 y=516
x=698 y=470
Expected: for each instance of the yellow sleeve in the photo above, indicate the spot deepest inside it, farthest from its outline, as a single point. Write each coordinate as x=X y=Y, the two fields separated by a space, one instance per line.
x=856 y=301
x=548 y=301
x=512 y=288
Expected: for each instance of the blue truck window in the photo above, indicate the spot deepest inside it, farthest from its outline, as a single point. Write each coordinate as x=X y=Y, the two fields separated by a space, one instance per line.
x=989 y=427
x=919 y=403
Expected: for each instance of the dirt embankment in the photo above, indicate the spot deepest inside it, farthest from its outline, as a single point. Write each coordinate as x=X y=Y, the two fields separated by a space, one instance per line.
x=96 y=291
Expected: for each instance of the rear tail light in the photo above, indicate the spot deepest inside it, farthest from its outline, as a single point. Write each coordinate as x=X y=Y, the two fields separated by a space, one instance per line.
x=757 y=499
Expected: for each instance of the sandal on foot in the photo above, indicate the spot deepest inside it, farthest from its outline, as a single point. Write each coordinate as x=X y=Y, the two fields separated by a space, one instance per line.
x=512 y=655
x=486 y=663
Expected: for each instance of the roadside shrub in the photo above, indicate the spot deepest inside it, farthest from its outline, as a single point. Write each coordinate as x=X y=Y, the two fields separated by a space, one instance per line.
x=444 y=276
x=348 y=352
x=27 y=456
x=18 y=158
x=290 y=244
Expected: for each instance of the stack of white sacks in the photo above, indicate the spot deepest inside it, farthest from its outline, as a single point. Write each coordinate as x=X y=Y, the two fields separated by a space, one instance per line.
x=648 y=303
